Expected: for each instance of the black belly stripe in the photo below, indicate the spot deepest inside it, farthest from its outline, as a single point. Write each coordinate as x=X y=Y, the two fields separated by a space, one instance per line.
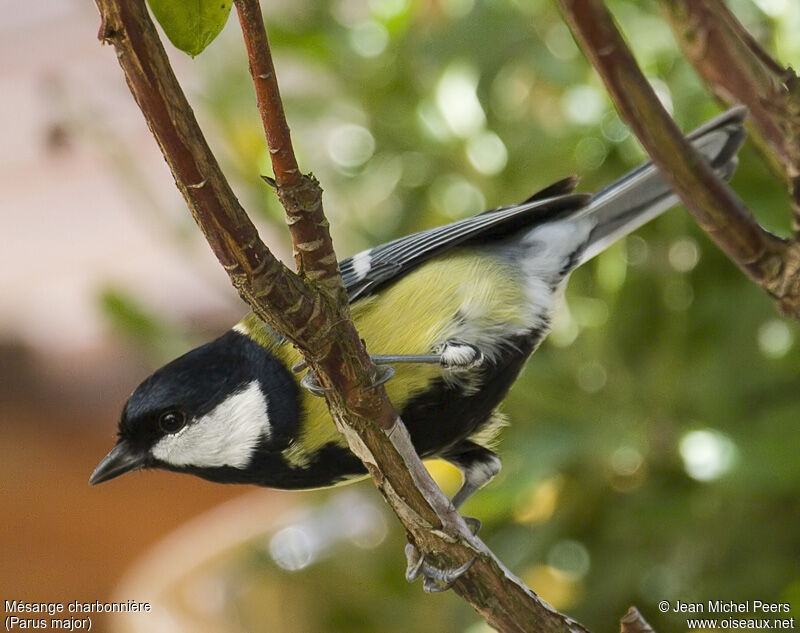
x=443 y=416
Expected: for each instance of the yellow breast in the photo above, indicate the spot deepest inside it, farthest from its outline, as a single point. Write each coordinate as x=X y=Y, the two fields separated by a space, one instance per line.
x=468 y=295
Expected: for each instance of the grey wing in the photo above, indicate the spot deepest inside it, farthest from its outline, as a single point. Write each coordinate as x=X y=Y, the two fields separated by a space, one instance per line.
x=367 y=271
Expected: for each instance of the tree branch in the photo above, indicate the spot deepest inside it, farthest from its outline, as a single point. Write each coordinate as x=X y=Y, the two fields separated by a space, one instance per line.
x=633 y=622
x=300 y=194
x=268 y=96
x=773 y=263
x=310 y=309
x=716 y=42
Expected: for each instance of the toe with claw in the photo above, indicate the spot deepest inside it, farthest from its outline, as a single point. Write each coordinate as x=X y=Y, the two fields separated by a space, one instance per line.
x=474 y=524
x=309 y=382
x=434 y=580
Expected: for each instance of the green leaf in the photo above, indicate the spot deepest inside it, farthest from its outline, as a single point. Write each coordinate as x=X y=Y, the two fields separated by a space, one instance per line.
x=191 y=25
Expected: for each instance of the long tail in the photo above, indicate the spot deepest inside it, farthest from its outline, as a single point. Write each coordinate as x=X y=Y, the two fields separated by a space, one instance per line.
x=641 y=195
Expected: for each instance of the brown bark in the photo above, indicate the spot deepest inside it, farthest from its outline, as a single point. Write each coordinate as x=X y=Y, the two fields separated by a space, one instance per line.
x=773 y=263
x=633 y=622
x=299 y=193
x=735 y=66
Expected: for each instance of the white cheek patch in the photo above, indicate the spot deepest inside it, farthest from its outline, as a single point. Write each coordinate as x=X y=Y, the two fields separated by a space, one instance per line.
x=226 y=436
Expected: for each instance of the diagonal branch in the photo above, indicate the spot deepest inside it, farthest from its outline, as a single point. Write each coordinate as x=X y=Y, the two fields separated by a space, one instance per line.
x=307 y=312
x=773 y=263
x=716 y=42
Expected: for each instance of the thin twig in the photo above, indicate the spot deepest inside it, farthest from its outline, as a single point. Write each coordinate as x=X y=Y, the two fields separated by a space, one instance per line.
x=302 y=222
x=299 y=193
x=270 y=105
x=770 y=261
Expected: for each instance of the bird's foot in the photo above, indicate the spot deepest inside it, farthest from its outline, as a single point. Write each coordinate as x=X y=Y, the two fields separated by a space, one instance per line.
x=455 y=354
x=309 y=381
x=434 y=580
x=473 y=523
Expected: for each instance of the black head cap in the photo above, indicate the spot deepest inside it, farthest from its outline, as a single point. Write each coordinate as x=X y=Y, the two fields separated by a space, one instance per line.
x=214 y=398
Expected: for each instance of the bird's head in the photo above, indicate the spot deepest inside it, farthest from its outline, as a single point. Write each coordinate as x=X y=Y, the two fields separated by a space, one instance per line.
x=208 y=412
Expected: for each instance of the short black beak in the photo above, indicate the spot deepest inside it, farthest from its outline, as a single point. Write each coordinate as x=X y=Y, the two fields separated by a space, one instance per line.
x=122 y=459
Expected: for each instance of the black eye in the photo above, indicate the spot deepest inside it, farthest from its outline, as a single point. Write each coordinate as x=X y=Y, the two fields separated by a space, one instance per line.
x=171 y=421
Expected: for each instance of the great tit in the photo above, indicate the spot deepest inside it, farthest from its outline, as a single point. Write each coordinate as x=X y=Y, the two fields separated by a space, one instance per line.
x=475 y=296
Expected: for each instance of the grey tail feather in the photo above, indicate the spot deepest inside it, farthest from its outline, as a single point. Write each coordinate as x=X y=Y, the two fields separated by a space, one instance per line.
x=643 y=194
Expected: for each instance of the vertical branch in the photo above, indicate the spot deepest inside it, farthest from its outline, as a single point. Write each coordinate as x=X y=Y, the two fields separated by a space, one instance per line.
x=499 y=597
x=716 y=43
x=300 y=194
x=268 y=96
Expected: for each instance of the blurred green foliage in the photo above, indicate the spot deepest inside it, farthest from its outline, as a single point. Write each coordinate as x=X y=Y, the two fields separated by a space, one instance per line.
x=653 y=451
x=155 y=337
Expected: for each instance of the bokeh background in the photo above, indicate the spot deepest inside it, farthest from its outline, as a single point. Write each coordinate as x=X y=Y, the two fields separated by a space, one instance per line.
x=653 y=451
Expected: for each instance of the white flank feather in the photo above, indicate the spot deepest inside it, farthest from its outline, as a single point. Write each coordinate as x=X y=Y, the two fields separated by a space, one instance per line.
x=362 y=262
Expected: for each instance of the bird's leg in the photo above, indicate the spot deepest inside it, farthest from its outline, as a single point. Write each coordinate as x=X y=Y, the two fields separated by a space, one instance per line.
x=452 y=354
x=478 y=466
